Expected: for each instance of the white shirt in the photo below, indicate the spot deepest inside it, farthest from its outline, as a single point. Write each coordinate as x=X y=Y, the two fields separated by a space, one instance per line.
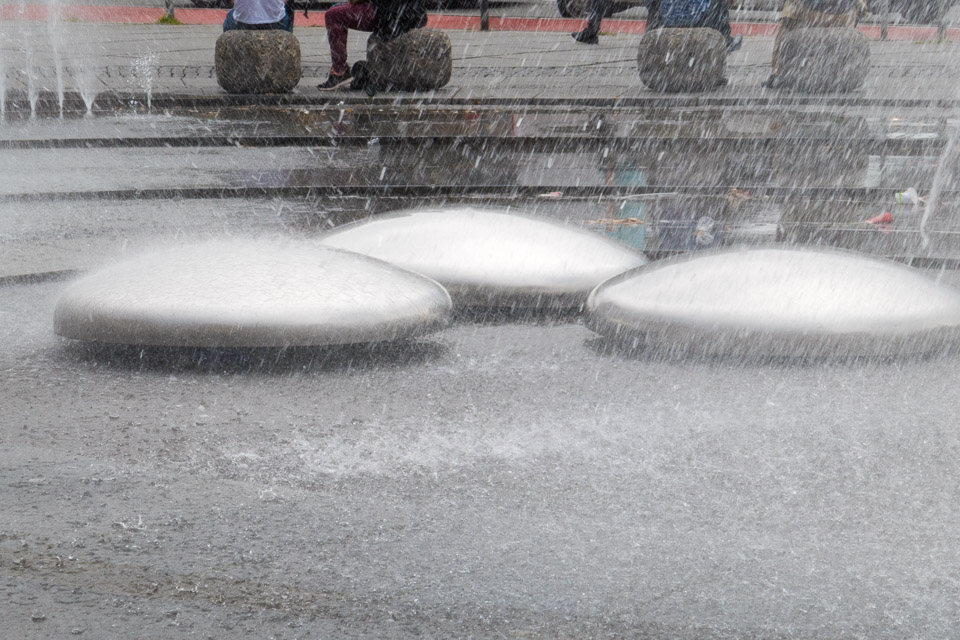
x=258 y=11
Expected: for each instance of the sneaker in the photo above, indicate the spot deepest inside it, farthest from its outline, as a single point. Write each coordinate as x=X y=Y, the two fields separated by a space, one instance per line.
x=773 y=82
x=735 y=43
x=335 y=81
x=585 y=37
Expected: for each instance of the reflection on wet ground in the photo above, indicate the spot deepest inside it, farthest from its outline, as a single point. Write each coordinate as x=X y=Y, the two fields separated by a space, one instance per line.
x=661 y=179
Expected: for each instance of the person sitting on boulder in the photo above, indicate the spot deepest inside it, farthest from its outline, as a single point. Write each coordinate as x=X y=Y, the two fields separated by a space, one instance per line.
x=259 y=15
x=798 y=14
x=386 y=19
x=708 y=14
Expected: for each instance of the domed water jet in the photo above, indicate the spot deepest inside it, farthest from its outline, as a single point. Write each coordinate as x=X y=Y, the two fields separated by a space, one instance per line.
x=491 y=258
x=777 y=302
x=250 y=293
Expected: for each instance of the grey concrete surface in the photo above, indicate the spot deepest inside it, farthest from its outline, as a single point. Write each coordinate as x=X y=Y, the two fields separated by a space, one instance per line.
x=178 y=61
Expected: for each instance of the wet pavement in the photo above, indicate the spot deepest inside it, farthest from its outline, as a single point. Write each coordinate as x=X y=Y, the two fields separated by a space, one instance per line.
x=510 y=479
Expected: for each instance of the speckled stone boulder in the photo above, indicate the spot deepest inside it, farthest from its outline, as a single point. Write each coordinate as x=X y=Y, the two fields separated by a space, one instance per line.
x=250 y=61
x=680 y=60
x=419 y=60
x=824 y=60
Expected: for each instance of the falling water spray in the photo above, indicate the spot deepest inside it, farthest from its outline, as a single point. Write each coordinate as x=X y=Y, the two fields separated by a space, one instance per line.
x=3 y=86
x=933 y=200
x=53 y=34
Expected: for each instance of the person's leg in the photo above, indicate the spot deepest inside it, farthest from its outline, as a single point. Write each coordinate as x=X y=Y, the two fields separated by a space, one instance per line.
x=339 y=18
x=723 y=20
x=287 y=22
x=790 y=19
x=653 y=16
x=598 y=11
x=717 y=17
x=230 y=23
x=806 y=18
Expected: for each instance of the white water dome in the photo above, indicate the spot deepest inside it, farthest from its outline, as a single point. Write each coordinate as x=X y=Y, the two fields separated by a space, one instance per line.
x=250 y=293
x=777 y=302
x=491 y=257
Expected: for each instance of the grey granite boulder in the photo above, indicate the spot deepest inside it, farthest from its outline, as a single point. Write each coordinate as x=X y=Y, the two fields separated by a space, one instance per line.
x=419 y=60
x=250 y=61
x=824 y=60
x=680 y=60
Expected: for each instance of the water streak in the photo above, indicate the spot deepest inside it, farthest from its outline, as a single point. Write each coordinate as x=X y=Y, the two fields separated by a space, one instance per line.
x=933 y=200
x=3 y=83
x=33 y=92
x=53 y=34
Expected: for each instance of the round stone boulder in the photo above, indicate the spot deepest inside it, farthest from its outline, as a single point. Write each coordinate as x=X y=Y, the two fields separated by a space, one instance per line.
x=824 y=60
x=492 y=258
x=419 y=60
x=250 y=293
x=776 y=303
x=252 y=61
x=682 y=60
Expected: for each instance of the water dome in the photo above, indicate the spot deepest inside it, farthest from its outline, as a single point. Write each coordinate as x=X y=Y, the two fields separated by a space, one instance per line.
x=250 y=293
x=776 y=302
x=489 y=257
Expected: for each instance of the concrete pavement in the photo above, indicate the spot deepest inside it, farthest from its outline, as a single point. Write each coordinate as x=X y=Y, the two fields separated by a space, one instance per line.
x=176 y=62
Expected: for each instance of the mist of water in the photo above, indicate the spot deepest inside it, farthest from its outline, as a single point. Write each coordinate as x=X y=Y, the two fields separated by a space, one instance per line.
x=143 y=71
x=938 y=179
x=53 y=34
x=29 y=70
x=3 y=85
x=86 y=79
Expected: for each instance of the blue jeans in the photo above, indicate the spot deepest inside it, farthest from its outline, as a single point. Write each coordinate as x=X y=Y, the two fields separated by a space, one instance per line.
x=230 y=23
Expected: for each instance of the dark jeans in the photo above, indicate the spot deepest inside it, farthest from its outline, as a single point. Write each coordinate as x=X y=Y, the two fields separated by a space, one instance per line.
x=717 y=17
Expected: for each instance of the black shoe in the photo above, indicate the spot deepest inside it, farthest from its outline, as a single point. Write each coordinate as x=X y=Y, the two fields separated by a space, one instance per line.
x=722 y=82
x=359 y=74
x=335 y=81
x=735 y=43
x=773 y=82
x=585 y=37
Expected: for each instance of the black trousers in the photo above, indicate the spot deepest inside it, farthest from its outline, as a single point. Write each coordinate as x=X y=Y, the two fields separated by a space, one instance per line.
x=716 y=17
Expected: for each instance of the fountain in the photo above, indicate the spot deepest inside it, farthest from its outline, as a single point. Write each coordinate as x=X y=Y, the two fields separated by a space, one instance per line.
x=53 y=35
x=250 y=293
x=3 y=80
x=175 y=463
x=794 y=303
x=492 y=258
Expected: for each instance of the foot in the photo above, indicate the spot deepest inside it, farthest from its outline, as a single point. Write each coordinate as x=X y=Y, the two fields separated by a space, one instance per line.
x=335 y=81
x=585 y=37
x=773 y=82
x=724 y=81
x=735 y=43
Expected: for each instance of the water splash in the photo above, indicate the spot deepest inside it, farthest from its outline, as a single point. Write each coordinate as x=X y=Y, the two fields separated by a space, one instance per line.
x=3 y=83
x=29 y=70
x=53 y=34
x=938 y=177
x=143 y=72
x=86 y=80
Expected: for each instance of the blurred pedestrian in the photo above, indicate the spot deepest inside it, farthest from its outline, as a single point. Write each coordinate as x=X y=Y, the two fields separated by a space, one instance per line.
x=259 y=15
x=707 y=14
x=599 y=9
x=798 y=14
